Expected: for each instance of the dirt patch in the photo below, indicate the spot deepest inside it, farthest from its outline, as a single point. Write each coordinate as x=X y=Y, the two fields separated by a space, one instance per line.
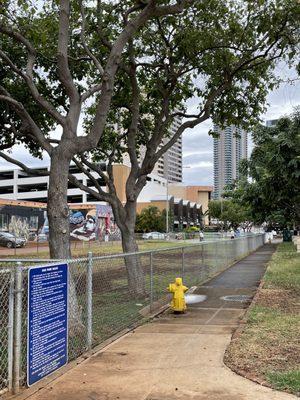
x=284 y=300
x=207 y=395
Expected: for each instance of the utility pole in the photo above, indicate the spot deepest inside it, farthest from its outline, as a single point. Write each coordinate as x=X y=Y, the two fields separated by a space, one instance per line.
x=222 y=215
x=167 y=208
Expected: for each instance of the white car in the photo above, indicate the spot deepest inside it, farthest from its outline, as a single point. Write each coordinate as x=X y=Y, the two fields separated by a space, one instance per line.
x=154 y=235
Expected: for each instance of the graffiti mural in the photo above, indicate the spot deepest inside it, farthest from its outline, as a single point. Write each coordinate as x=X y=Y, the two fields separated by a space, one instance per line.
x=83 y=225
x=94 y=224
x=88 y=224
x=106 y=226
x=21 y=221
x=19 y=227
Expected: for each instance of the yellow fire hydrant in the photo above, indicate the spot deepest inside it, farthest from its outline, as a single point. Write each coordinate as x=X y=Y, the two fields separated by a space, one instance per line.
x=178 y=290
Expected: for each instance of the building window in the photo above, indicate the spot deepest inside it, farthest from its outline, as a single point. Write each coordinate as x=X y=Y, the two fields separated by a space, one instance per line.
x=6 y=175
x=6 y=189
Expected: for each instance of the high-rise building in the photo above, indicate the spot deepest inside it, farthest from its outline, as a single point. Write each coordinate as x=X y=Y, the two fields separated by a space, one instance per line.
x=169 y=165
x=230 y=147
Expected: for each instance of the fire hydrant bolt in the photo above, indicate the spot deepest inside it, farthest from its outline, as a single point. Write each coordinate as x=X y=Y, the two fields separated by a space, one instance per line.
x=178 y=290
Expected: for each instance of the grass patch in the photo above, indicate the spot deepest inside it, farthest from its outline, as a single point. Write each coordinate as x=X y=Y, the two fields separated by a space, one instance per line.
x=284 y=270
x=268 y=348
x=98 y=249
x=289 y=380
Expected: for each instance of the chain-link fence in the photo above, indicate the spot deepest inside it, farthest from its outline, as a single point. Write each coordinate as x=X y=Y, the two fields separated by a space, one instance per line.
x=6 y=316
x=106 y=294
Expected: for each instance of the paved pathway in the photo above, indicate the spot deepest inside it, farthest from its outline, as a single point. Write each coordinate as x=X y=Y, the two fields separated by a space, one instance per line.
x=174 y=357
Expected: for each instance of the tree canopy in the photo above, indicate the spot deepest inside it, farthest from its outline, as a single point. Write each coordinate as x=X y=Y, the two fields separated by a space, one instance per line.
x=273 y=193
x=151 y=219
x=230 y=214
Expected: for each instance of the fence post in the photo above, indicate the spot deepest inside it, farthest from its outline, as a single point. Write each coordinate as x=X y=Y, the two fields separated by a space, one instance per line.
x=89 y=293
x=10 y=328
x=151 y=281
x=182 y=261
x=17 y=341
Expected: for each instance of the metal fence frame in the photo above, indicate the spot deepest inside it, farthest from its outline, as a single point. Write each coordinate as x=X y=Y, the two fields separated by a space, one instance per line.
x=95 y=283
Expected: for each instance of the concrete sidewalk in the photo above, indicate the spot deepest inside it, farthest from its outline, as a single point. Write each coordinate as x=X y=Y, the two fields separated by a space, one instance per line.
x=176 y=357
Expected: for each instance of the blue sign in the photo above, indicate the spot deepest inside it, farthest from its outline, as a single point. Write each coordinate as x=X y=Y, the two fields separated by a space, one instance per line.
x=47 y=348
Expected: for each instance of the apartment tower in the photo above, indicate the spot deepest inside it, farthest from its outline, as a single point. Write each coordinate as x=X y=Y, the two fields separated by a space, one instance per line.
x=169 y=165
x=230 y=147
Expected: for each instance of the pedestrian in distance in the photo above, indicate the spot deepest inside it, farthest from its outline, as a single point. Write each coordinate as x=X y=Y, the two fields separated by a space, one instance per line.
x=201 y=236
x=232 y=234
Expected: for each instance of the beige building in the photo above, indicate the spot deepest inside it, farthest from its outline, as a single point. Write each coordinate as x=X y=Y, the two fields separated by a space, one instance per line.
x=198 y=194
x=188 y=204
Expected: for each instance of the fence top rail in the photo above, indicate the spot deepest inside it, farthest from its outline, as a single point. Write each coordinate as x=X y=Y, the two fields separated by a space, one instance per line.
x=110 y=256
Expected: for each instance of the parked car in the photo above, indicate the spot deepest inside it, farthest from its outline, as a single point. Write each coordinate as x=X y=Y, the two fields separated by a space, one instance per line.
x=154 y=235
x=31 y=237
x=42 y=237
x=9 y=240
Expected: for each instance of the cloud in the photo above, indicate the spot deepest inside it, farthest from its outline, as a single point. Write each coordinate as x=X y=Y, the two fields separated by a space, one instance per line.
x=198 y=145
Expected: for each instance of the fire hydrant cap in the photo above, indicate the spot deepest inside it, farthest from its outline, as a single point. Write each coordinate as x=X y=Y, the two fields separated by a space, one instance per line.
x=178 y=281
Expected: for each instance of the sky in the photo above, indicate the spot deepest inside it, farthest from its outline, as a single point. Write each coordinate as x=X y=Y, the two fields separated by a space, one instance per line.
x=197 y=144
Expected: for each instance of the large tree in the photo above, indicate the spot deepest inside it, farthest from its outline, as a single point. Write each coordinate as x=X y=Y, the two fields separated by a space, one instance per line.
x=273 y=193
x=230 y=213
x=131 y=66
x=45 y=52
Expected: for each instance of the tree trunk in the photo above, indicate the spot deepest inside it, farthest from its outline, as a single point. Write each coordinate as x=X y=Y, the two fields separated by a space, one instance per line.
x=58 y=210
x=59 y=229
x=135 y=273
x=125 y=219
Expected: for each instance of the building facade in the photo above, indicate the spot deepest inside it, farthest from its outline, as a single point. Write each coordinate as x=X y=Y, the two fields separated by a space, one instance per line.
x=169 y=165
x=230 y=147
x=187 y=204
x=16 y=184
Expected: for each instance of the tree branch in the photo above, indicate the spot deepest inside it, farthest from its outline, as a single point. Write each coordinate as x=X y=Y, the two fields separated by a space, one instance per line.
x=30 y=171
x=28 y=76
x=63 y=70
x=148 y=12
x=83 y=41
x=26 y=119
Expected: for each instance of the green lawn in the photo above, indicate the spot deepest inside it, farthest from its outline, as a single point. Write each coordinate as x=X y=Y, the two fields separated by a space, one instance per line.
x=99 y=249
x=268 y=348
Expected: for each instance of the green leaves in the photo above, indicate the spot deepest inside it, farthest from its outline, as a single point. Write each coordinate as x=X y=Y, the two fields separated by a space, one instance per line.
x=151 y=219
x=273 y=196
x=231 y=213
